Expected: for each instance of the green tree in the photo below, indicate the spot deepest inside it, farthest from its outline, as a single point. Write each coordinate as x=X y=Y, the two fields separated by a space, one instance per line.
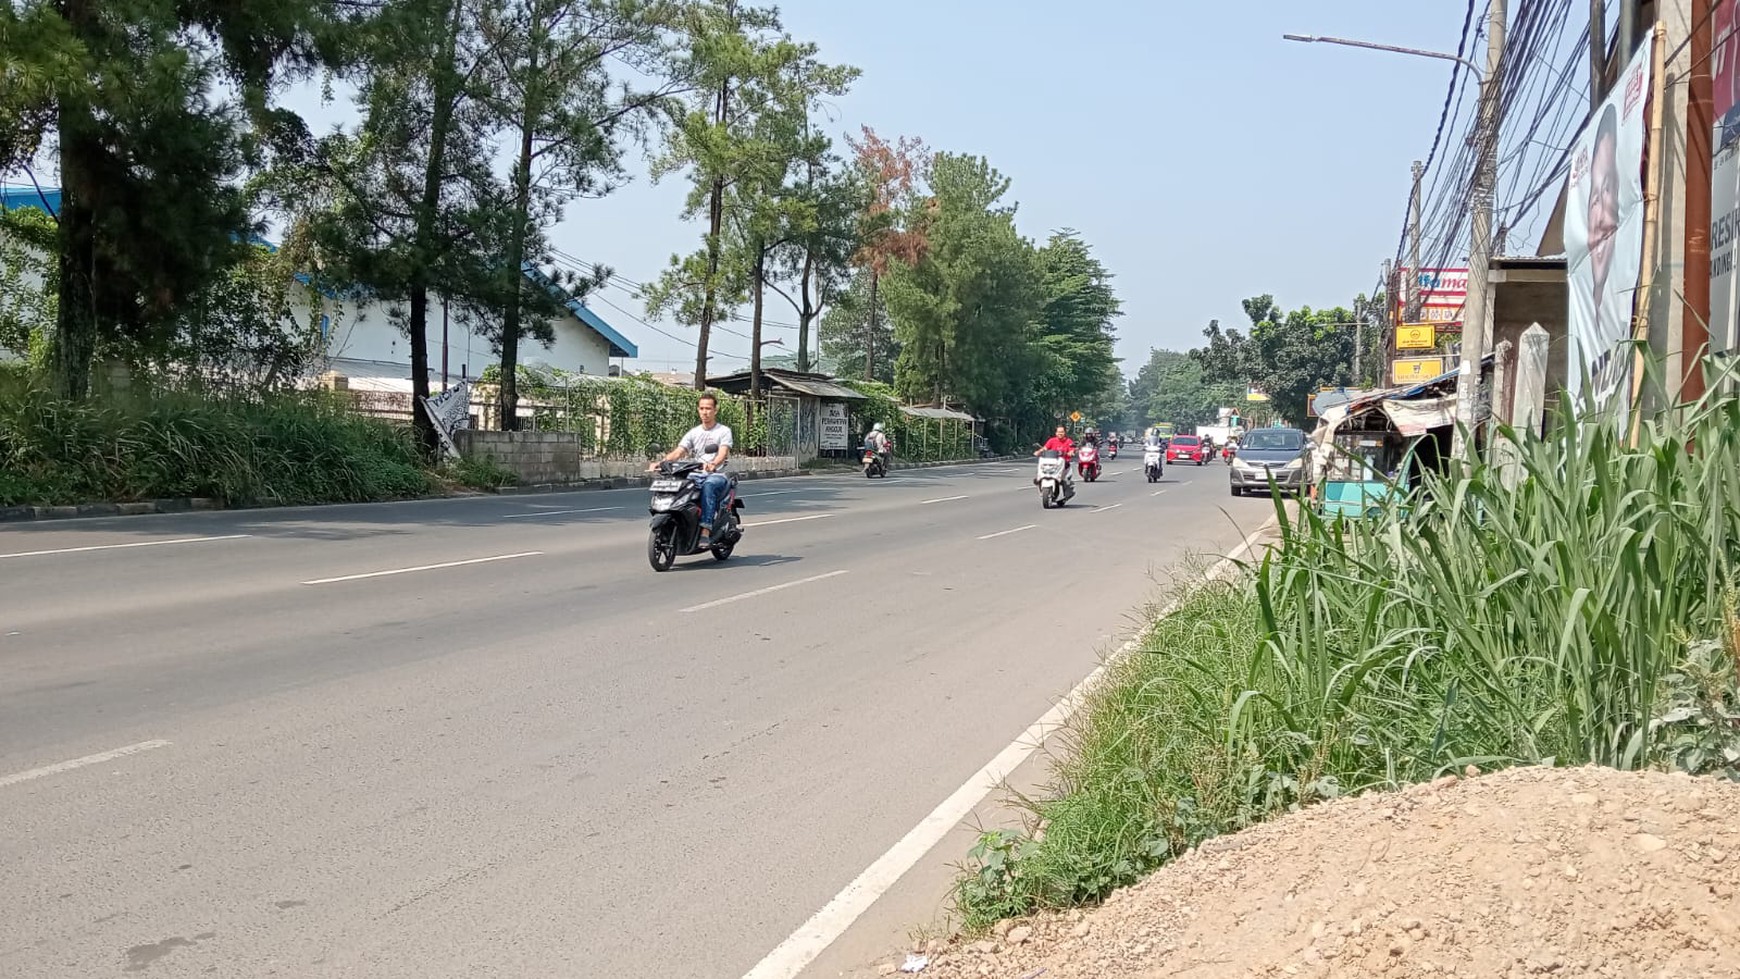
x=1287 y=355
x=821 y=207
x=1171 y=387
x=156 y=109
x=553 y=93
x=1076 y=325
x=966 y=313
x=408 y=202
x=853 y=332
x=734 y=139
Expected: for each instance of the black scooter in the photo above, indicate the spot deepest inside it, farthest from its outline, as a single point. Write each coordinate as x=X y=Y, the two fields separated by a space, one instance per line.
x=676 y=517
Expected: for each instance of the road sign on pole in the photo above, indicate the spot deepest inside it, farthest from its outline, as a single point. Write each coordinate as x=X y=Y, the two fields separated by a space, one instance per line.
x=1075 y=416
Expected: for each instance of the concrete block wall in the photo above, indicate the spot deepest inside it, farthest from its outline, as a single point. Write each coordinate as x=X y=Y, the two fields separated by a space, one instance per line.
x=556 y=457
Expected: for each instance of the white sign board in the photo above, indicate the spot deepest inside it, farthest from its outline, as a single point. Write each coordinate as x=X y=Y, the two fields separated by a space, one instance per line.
x=834 y=426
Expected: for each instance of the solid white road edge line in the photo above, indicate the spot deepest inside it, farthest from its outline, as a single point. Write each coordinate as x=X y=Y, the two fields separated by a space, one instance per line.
x=554 y=513
x=422 y=567
x=807 y=943
x=769 y=523
x=111 y=547
x=762 y=591
x=944 y=499
x=1002 y=533
x=67 y=766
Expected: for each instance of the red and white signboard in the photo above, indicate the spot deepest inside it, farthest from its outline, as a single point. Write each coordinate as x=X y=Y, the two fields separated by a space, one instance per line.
x=1440 y=286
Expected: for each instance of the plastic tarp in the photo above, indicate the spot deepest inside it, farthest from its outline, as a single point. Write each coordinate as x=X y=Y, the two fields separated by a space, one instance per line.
x=1420 y=416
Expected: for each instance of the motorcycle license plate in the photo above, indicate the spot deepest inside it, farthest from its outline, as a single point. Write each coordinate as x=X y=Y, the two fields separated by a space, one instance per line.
x=666 y=485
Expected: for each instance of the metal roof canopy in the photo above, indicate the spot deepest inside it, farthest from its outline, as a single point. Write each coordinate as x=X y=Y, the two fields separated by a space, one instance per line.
x=801 y=382
x=939 y=413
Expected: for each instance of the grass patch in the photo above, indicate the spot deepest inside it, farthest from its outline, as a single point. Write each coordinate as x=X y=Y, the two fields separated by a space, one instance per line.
x=482 y=474
x=1577 y=609
x=276 y=449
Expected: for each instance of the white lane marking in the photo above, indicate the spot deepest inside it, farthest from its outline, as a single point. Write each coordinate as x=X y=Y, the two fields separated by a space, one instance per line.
x=807 y=943
x=762 y=591
x=67 y=766
x=1156 y=492
x=751 y=496
x=1002 y=533
x=553 y=513
x=769 y=523
x=422 y=567
x=111 y=547
x=1103 y=509
x=944 y=499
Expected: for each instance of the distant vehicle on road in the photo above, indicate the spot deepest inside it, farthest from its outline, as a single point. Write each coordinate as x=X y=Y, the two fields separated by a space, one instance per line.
x=1186 y=448
x=1270 y=453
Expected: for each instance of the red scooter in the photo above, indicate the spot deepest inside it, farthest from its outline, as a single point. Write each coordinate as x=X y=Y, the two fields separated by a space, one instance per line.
x=1088 y=462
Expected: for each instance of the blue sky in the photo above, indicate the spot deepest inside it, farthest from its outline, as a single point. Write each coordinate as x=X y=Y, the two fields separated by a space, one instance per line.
x=1204 y=158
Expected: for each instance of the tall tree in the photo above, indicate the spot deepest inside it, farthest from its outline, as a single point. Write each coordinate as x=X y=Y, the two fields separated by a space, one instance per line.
x=754 y=86
x=853 y=333
x=822 y=204
x=1079 y=307
x=155 y=109
x=966 y=312
x=1287 y=355
x=1171 y=387
x=888 y=228
x=554 y=94
x=410 y=201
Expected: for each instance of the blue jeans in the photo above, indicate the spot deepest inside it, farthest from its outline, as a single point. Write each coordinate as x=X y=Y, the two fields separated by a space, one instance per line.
x=713 y=489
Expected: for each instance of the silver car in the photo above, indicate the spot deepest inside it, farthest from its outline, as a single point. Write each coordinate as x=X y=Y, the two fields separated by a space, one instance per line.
x=1271 y=453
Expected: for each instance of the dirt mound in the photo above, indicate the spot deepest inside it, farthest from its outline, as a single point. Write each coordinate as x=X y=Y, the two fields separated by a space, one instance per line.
x=1530 y=872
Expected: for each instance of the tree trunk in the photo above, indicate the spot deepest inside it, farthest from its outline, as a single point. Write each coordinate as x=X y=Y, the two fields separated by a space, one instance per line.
x=427 y=249
x=715 y=227
x=807 y=312
x=755 y=326
x=870 y=332
x=509 y=398
x=74 y=342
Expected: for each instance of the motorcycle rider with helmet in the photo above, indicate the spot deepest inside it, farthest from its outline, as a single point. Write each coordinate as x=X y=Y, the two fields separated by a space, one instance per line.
x=878 y=442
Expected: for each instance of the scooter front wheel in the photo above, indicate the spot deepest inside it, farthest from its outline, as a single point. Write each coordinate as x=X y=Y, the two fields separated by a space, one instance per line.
x=661 y=547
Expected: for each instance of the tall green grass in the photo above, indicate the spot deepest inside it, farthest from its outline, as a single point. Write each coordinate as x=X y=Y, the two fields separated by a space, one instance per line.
x=274 y=449
x=1571 y=609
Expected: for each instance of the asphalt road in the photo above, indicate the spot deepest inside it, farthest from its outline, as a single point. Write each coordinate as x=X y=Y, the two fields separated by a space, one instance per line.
x=319 y=742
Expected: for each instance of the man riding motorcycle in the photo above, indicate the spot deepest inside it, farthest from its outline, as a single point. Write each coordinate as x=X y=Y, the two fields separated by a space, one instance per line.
x=1062 y=444
x=708 y=443
x=877 y=442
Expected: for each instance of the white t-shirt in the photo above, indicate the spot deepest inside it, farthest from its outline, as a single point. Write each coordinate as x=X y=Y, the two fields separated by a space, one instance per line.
x=702 y=444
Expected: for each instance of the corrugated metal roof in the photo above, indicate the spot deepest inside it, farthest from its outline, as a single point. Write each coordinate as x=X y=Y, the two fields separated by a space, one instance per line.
x=815 y=385
x=939 y=413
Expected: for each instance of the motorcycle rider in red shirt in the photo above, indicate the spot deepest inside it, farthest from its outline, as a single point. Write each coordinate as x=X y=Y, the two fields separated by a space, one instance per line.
x=1061 y=442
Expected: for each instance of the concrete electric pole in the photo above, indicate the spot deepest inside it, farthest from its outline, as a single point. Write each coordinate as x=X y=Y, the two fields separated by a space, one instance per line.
x=1414 y=246
x=1479 y=305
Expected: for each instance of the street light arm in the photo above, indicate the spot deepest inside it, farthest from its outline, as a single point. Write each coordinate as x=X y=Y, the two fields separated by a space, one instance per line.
x=1417 y=52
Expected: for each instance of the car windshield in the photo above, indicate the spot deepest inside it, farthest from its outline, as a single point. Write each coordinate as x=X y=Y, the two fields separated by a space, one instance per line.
x=1185 y=440
x=1274 y=441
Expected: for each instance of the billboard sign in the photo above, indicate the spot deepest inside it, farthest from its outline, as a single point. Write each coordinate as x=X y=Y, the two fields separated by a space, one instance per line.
x=834 y=434
x=1416 y=336
x=1415 y=370
x=1725 y=177
x=1604 y=238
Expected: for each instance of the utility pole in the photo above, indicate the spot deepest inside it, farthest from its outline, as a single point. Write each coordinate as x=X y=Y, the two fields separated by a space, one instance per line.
x=1597 y=51
x=1414 y=246
x=1480 y=253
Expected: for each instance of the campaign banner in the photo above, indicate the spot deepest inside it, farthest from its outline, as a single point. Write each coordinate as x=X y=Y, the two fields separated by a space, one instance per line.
x=1725 y=177
x=1604 y=238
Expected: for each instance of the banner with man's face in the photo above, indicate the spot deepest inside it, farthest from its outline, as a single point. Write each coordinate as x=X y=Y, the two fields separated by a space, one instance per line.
x=1604 y=238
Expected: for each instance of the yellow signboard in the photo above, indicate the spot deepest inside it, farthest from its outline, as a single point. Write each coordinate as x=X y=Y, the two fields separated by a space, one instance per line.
x=1416 y=336
x=1075 y=416
x=1413 y=370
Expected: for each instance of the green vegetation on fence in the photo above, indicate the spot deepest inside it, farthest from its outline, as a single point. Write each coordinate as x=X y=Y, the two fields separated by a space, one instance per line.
x=273 y=449
x=916 y=439
x=1581 y=616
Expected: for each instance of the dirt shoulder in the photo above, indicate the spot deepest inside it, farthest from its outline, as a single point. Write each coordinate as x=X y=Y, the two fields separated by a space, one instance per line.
x=1528 y=872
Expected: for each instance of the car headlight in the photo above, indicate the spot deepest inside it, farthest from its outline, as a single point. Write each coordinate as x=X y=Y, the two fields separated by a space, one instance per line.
x=1242 y=464
x=1296 y=463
